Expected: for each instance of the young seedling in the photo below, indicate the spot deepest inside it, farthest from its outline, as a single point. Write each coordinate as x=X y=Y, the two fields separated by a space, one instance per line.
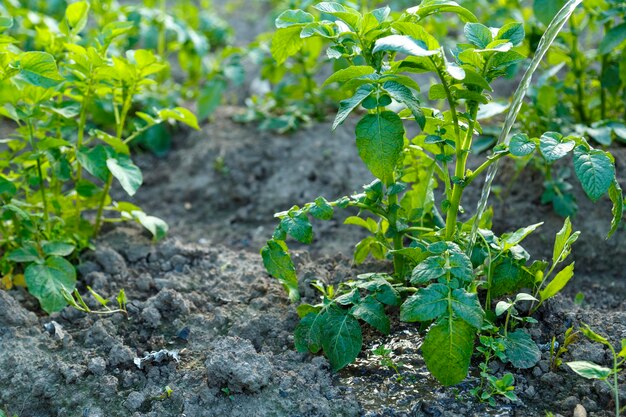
x=490 y=386
x=439 y=268
x=558 y=350
x=592 y=370
x=167 y=393
x=76 y=301
x=387 y=361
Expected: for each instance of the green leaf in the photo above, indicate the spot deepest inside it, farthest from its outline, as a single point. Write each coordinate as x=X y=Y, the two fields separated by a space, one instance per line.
x=502 y=307
x=156 y=226
x=57 y=248
x=348 y=15
x=7 y=188
x=615 y=194
x=521 y=350
x=558 y=283
x=429 y=269
x=380 y=142
x=94 y=160
x=563 y=241
x=279 y=265
x=612 y=39
x=210 y=97
x=513 y=32
x=372 y=312
x=449 y=260
x=331 y=7
x=342 y=338
x=308 y=333
x=348 y=73
x=467 y=307
x=428 y=7
x=591 y=335
x=45 y=282
x=381 y=14
x=594 y=170
x=180 y=114
x=27 y=253
x=553 y=146
x=285 y=43
x=426 y=304
x=347 y=106
x=118 y=145
x=404 y=95
x=380 y=288
x=508 y=276
x=478 y=34
x=417 y=32
x=299 y=227
x=524 y=297
x=368 y=224
x=322 y=29
x=76 y=16
x=448 y=349
x=322 y=209
x=127 y=173
x=113 y=30
x=404 y=44
x=293 y=18
x=39 y=69
x=304 y=309
x=589 y=370
x=521 y=145
x=6 y=22
x=508 y=240
x=474 y=78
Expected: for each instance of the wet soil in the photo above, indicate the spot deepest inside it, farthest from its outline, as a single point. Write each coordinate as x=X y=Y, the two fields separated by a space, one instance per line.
x=221 y=329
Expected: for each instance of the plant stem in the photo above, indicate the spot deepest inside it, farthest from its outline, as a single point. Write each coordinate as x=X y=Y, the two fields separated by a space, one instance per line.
x=506 y=322
x=602 y=89
x=489 y=272
x=120 y=130
x=398 y=262
x=462 y=150
x=482 y=167
x=450 y=99
x=79 y=142
x=139 y=132
x=105 y=193
x=31 y=136
x=309 y=83
x=615 y=380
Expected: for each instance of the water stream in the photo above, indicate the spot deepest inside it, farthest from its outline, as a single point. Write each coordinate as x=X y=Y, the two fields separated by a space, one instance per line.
x=546 y=42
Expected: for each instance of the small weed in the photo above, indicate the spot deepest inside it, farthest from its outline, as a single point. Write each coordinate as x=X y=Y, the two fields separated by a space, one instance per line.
x=387 y=361
x=167 y=393
x=558 y=350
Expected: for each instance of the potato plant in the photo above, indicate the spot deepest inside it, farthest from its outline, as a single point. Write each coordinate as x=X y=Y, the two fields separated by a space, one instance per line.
x=290 y=73
x=59 y=165
x=439 y=279
x=190 y=39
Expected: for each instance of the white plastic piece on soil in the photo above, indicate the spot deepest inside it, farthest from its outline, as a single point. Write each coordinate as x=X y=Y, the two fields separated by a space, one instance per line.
x=157 y=357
